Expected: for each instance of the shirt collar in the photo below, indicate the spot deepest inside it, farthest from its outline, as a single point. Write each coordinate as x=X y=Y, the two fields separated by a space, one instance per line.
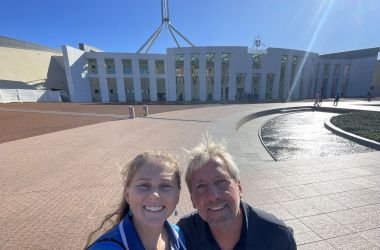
x=133 y=238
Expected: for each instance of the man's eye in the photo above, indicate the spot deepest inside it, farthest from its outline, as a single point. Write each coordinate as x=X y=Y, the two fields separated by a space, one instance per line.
x=201 y=188
x=222 y=184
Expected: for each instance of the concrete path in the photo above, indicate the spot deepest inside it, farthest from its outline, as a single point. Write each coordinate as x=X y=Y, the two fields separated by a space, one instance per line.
x=56 y=188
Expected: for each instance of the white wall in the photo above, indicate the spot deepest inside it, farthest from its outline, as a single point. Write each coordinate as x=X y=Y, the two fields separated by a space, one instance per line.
x=360 y=78
x=78 y=83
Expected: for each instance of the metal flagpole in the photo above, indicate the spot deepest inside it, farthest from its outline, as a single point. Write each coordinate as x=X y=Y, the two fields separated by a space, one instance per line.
x=165 y=21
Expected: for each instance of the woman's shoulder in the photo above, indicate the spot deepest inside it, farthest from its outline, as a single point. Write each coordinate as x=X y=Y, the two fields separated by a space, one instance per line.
x=110 y=240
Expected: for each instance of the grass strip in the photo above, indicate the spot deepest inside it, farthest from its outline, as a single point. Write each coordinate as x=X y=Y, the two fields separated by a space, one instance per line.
x=365 y=124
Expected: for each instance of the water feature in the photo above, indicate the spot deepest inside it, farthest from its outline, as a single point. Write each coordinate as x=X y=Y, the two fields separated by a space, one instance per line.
x=303 y=135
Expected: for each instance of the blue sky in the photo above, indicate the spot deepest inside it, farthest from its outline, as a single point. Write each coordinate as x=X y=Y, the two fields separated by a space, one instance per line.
x=322 y=26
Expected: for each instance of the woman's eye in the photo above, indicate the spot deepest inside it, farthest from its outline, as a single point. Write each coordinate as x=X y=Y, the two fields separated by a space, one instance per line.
x=143 y=186
x=166 y=187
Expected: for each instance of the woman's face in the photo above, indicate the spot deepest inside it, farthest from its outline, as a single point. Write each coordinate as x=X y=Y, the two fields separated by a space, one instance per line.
x=153 y=193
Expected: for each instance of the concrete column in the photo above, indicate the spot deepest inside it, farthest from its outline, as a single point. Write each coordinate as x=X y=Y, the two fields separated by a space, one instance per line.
x=187 y=77
x=120 y=80
x=202 y=77
x=102 y=79
x=232 y=78
x=136 y=80
x=152 y=79
x=217 y=76
x=170 y=81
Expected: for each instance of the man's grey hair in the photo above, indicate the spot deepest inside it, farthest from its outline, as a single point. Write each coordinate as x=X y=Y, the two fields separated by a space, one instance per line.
x=209 y=150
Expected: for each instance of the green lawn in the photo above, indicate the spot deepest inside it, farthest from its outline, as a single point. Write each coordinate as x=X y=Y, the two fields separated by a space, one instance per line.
x=365 y=124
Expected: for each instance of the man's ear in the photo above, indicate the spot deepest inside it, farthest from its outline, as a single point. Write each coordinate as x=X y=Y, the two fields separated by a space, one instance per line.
x=178 y=197
x=240 y=190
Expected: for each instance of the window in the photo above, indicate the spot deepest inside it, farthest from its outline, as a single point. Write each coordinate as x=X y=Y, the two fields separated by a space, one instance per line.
x=210 y=75
x=225 y=75
x=127 y=66
x=143 y=66
x=326 y=71
x=92 y=66
x=256 y=61
x=347 y=68
x=194 y=64
x=269 y=86
x=179 y=69
x=110 y=66
x=179 y=65
x=160 y=67
x=284 y=61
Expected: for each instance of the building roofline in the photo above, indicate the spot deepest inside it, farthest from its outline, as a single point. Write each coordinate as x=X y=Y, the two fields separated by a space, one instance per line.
x=9 y=42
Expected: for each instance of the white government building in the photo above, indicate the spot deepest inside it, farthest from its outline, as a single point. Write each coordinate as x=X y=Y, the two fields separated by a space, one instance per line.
x=218 y=73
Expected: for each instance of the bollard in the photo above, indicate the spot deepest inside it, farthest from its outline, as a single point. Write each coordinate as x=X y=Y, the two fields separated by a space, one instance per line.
x=131 y=112
x=145 y=109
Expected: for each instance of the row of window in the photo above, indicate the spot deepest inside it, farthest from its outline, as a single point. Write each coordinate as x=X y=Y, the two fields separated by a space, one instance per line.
x=109 y=66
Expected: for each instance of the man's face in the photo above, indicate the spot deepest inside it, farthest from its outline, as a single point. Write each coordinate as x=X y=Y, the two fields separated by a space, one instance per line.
x=214 y=193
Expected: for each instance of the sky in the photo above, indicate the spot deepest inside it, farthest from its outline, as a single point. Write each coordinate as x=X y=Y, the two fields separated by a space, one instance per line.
x=321 y=26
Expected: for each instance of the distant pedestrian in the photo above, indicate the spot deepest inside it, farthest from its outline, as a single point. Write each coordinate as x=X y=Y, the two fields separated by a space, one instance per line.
x=336 y=100
x=320 y=98
x=317 y=95
x=369 y=95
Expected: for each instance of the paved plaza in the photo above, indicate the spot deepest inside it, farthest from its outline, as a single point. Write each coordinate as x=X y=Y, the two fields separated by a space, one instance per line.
x=55 y=188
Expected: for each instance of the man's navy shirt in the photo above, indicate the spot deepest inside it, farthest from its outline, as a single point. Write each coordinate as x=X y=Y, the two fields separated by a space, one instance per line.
x=260 y=230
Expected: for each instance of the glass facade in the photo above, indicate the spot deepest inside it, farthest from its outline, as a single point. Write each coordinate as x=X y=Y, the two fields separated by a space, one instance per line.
x=346 y=75
x=256 y=61
x=240 y=80
x=112 y=90
x=269 y=86
x=180 y=80
x=110 y=66
x=284 y=61
x=127 y=66
x=145 y=90
x=325 y=79
x=129 y=89
x=225 y=76
x=92 y=67
x=143 y=66
x=347 y=68
x=256 y=86
x=293 y=75
x=95 y=90
x=335 y=85
x=194 y=64
x=161 y=93
x=210 y=58
x=160 y=67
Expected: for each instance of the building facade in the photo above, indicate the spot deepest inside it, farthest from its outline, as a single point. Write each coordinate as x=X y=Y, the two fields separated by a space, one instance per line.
x=218 y=73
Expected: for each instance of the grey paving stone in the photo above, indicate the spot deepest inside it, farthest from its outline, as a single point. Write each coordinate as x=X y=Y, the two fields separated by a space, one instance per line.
x=316 y=245
x=352 y=241
x=372 y=236
x=325 y=226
